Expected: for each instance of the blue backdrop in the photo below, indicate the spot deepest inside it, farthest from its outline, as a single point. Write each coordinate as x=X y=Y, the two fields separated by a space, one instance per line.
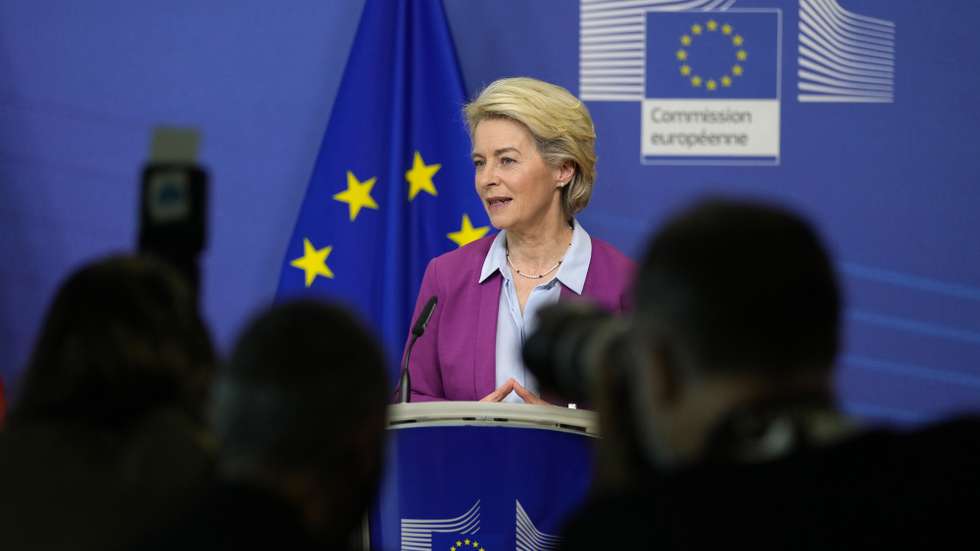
x=876 y=142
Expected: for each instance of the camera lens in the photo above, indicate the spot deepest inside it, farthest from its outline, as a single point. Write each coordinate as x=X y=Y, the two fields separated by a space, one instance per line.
x=571 y=342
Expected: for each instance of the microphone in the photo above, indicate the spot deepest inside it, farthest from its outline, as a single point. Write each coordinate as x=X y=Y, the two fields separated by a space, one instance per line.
x=424 y=316
x=405 y=384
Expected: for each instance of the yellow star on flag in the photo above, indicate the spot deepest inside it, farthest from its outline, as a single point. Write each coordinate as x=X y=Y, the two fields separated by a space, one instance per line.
x=711 y=85
x=712 y=25
x=737 y=40
x=467 y=541
x=737 y=70
x=467 y=233
x=696 y=29
x=357 y=195
x=681 y=55
x=696 y=81
x=420 y=177
x=726 y=28
x=313 y=262
x=742 y=55
x=685 y=70
x=685 y=40
x=726 y=81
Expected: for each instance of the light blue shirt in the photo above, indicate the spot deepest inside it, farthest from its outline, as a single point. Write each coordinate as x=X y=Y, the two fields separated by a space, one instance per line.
x=513 y=327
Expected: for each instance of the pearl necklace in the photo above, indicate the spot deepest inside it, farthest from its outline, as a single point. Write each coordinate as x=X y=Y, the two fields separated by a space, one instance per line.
x=535 y=276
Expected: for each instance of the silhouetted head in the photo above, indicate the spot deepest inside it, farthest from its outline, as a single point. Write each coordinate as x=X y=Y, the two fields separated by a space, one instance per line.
x=742 y=287
x=121 y=338
x=301 y=407
x=736 y=304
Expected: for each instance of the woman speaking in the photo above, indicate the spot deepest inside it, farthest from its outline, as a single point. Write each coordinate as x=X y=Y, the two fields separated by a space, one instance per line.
x=534 y=162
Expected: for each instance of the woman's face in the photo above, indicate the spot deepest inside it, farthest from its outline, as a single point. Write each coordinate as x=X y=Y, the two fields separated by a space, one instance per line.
x=519 y=190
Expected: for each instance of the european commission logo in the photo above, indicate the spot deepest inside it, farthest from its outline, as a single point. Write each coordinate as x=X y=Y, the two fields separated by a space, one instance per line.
x=708 y=76
x=712 y=87
x=418 y=534
x=463 y=533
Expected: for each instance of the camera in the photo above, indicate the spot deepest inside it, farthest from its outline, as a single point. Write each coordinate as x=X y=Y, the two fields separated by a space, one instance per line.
x=573 y=343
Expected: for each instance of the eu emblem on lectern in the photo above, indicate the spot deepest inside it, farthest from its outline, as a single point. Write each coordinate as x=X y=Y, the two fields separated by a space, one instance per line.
x=464 y=543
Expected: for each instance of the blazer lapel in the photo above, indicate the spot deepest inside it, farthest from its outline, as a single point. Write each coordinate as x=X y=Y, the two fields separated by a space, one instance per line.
x=485 y=347
x=566 y=293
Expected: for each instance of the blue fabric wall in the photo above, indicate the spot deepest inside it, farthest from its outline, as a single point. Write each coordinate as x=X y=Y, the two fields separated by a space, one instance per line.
x=892 y=185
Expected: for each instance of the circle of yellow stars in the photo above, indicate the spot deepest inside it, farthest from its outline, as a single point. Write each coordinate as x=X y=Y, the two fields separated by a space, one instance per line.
x=463 y=544
x=683 y=55
x=357 y=196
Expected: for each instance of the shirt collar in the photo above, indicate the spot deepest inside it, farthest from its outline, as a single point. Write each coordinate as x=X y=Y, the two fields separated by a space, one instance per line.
x=573 y=270
x=496 y=259
x=571 y=273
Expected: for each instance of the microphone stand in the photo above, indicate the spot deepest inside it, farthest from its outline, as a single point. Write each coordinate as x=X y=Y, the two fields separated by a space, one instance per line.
x=405 y=384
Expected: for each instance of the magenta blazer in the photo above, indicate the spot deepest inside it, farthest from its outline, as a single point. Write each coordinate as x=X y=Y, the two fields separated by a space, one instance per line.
x=456 y=357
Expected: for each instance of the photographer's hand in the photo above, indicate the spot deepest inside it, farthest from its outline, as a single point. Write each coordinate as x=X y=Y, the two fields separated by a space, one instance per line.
x=501 y=392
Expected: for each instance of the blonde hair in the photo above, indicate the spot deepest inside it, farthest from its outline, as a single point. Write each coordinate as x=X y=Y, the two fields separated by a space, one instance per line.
x=558 y=121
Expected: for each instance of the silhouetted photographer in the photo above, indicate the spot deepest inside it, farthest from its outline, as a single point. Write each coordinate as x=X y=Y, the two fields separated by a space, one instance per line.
x=107 y=440
x=720 y=400
x=299 y=412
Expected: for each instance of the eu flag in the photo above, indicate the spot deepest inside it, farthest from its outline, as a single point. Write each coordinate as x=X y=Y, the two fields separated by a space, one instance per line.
x=393 y=183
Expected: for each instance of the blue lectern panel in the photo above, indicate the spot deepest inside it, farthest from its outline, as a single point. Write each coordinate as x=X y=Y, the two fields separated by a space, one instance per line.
x=485 y=487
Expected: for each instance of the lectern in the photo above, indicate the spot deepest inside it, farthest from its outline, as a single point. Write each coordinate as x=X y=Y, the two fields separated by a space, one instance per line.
x=481 y=476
